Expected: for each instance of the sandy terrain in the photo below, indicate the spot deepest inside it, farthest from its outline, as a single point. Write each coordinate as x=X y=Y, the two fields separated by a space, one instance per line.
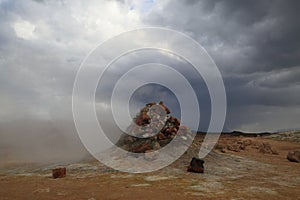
x=247 y=174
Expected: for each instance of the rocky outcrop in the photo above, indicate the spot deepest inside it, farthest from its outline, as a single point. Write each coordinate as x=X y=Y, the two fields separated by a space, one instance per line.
x=267 y=149
x=294 y=156
x=243 y=144
x=152 y=128
x=238 y=145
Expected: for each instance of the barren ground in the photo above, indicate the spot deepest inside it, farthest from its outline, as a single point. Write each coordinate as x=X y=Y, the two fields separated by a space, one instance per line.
x=247 y=174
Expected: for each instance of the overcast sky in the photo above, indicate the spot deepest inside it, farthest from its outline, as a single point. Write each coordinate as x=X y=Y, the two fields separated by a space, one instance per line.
x=255 y=44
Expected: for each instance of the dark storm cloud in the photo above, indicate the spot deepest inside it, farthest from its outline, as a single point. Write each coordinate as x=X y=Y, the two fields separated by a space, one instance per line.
x=256 y=47
x=257 y=35
x=153 y=92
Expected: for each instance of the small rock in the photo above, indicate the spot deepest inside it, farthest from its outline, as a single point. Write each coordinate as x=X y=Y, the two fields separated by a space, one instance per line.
x=223 y=150
x=59 y=172
x=294 y=156
x=196 y=165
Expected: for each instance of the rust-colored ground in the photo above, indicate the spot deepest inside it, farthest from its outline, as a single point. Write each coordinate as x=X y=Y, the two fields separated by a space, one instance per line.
x=246 y=174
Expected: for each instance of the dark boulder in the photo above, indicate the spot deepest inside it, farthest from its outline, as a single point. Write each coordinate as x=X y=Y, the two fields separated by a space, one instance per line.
x=196 y=165
x=59 y=172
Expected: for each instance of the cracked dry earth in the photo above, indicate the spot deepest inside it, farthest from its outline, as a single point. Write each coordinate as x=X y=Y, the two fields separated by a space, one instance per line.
x=232 y=175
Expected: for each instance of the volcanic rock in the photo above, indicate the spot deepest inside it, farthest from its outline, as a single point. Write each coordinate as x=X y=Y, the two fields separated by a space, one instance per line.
x=196 y=165
x=151 y=129
x=143 y=119
x=59 y=172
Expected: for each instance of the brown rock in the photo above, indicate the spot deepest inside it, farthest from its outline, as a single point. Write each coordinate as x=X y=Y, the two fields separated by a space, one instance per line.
x=59 y=172
x=266 y=148
x=155 y=135
x=239 y=145
x=234 y=147
x=196 y=165
x=161 y=136
x=142 y=148
x=247 y=142
x=294 y=156
x=155 y=145
x=143 y=119
x=173 y=130
x=223 y=150
x=177 y=122
x=168 y=131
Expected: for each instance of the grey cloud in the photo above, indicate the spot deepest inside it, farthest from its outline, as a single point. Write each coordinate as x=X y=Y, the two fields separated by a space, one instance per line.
x=256 y=47
x=254 y=43
x=241 y=36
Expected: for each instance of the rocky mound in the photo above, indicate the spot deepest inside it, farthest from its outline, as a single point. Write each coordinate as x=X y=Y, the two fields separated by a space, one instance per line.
x=151 y=129
x=242 y=144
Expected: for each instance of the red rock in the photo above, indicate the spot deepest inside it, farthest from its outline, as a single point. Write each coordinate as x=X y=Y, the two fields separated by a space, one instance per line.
x=177 y=122
x=59 y=172
x=173 y=129
x=168 y=131
x=161 y=136
x=171 y=119
x=143 y=119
